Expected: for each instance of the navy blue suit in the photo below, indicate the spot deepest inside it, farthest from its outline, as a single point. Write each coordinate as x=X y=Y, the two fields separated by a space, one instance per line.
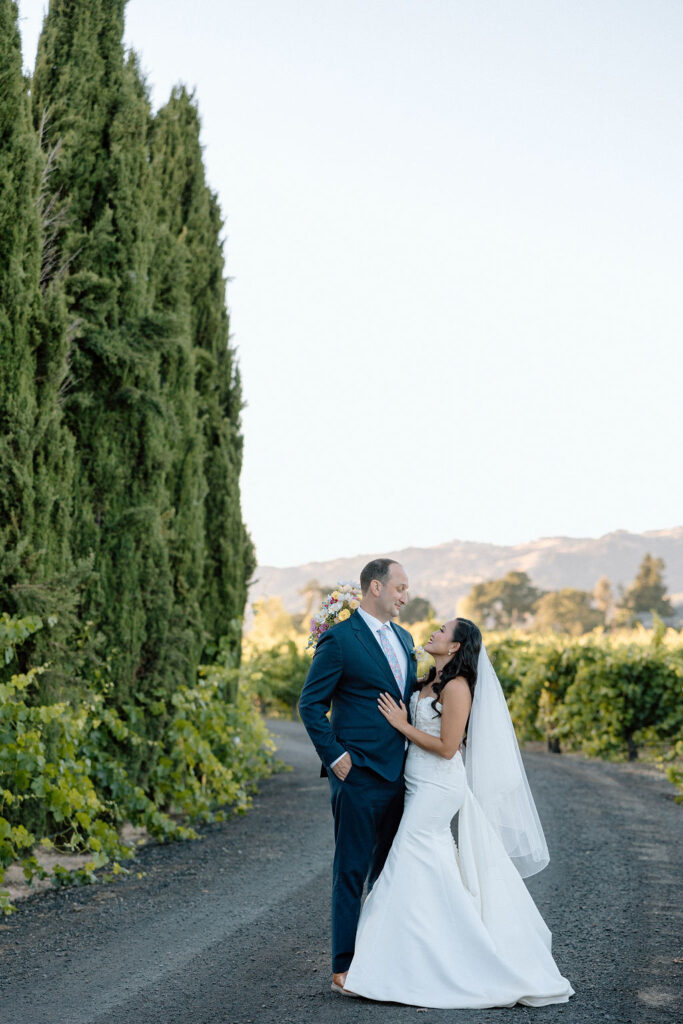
x=348 y=673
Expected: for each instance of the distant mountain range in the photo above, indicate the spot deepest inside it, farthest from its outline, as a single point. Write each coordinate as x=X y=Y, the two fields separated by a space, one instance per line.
x=446 y=572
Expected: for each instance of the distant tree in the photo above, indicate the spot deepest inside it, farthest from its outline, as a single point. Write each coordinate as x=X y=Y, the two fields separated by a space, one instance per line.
x=313 y=593
x=647 y=593
x=272 y=625
x=603 y=598
x=567 y=611
x=503 y=603
x=418 y=609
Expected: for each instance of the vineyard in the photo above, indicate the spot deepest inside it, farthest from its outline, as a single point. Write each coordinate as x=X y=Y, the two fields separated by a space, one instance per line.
x=609 y=695
x=606 y=696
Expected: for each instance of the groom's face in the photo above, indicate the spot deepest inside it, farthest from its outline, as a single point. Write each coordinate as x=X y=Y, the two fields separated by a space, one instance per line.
x=394 y=593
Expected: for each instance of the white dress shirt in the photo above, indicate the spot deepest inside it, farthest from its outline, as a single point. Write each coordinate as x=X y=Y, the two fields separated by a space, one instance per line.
x=374 y=626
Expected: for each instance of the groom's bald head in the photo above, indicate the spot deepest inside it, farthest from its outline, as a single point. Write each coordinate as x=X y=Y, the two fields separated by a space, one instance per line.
x=378 y=569
x=384 y=585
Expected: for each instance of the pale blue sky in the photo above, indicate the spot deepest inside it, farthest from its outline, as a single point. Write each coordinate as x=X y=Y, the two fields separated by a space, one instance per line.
x=454 y=232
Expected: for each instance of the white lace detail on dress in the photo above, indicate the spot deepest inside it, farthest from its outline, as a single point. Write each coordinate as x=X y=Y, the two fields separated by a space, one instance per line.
x=425 y=718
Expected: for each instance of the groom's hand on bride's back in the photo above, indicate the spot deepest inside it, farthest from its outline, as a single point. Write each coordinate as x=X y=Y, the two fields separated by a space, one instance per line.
x=342 y=767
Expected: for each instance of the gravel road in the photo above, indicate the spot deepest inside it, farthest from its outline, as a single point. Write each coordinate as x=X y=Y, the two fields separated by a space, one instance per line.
x=234 y=928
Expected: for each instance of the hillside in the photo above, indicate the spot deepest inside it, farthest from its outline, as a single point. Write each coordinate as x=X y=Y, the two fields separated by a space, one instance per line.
x=446 y=573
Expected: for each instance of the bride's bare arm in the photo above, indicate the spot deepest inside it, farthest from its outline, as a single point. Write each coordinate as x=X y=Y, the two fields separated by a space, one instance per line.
x=455 y=708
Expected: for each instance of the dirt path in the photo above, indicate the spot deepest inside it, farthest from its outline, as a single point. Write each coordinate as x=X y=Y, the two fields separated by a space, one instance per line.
x=234 y=928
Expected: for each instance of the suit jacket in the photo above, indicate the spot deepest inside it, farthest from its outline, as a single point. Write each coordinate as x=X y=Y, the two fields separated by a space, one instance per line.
x=348 y=673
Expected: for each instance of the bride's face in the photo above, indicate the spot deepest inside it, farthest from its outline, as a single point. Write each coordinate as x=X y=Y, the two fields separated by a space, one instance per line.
x=442 y=642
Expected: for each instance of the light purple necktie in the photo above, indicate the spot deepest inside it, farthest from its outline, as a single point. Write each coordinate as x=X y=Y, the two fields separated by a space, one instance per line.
x=391 y=654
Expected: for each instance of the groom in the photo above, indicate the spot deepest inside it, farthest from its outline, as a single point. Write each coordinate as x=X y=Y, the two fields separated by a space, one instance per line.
x=363 y=756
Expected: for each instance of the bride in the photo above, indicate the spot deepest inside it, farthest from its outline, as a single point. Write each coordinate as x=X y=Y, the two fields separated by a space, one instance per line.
x=447 y=926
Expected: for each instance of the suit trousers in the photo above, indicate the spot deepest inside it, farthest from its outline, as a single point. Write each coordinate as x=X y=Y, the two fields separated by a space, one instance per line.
x=367 y=810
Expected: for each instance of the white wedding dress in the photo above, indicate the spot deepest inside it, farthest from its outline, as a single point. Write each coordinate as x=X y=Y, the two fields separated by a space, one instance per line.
x=449 y=927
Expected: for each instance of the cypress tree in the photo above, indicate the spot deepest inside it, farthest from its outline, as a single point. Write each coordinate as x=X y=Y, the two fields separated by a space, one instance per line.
x=19 y=296
x=95 y=108
x=192 y=213
x=231 y=557
x=647 y=593
x=170 y=279
x=36 y=450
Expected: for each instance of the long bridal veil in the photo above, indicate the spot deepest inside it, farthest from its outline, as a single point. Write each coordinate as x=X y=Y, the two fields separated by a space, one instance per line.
x=496 y=775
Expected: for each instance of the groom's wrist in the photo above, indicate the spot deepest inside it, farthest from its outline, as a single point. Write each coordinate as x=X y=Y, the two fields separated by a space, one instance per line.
x=338 y=759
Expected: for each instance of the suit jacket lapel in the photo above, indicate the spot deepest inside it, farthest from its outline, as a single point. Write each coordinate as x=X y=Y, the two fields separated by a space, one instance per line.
x=371 y=645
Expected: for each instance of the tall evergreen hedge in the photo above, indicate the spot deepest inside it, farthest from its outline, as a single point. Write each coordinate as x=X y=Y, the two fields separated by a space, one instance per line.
x=191 y=212
x=37 y=572
x=91 y=101
x=120 y=398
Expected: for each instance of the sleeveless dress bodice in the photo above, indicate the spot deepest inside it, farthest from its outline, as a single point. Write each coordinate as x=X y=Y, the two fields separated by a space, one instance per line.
x=423 y=714
x=422 y=764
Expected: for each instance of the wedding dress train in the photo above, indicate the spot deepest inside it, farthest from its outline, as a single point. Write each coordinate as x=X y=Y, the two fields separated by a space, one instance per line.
x=449 y=927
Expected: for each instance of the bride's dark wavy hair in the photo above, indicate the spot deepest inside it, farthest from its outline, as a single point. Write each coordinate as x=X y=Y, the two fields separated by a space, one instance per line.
x=463 y=663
